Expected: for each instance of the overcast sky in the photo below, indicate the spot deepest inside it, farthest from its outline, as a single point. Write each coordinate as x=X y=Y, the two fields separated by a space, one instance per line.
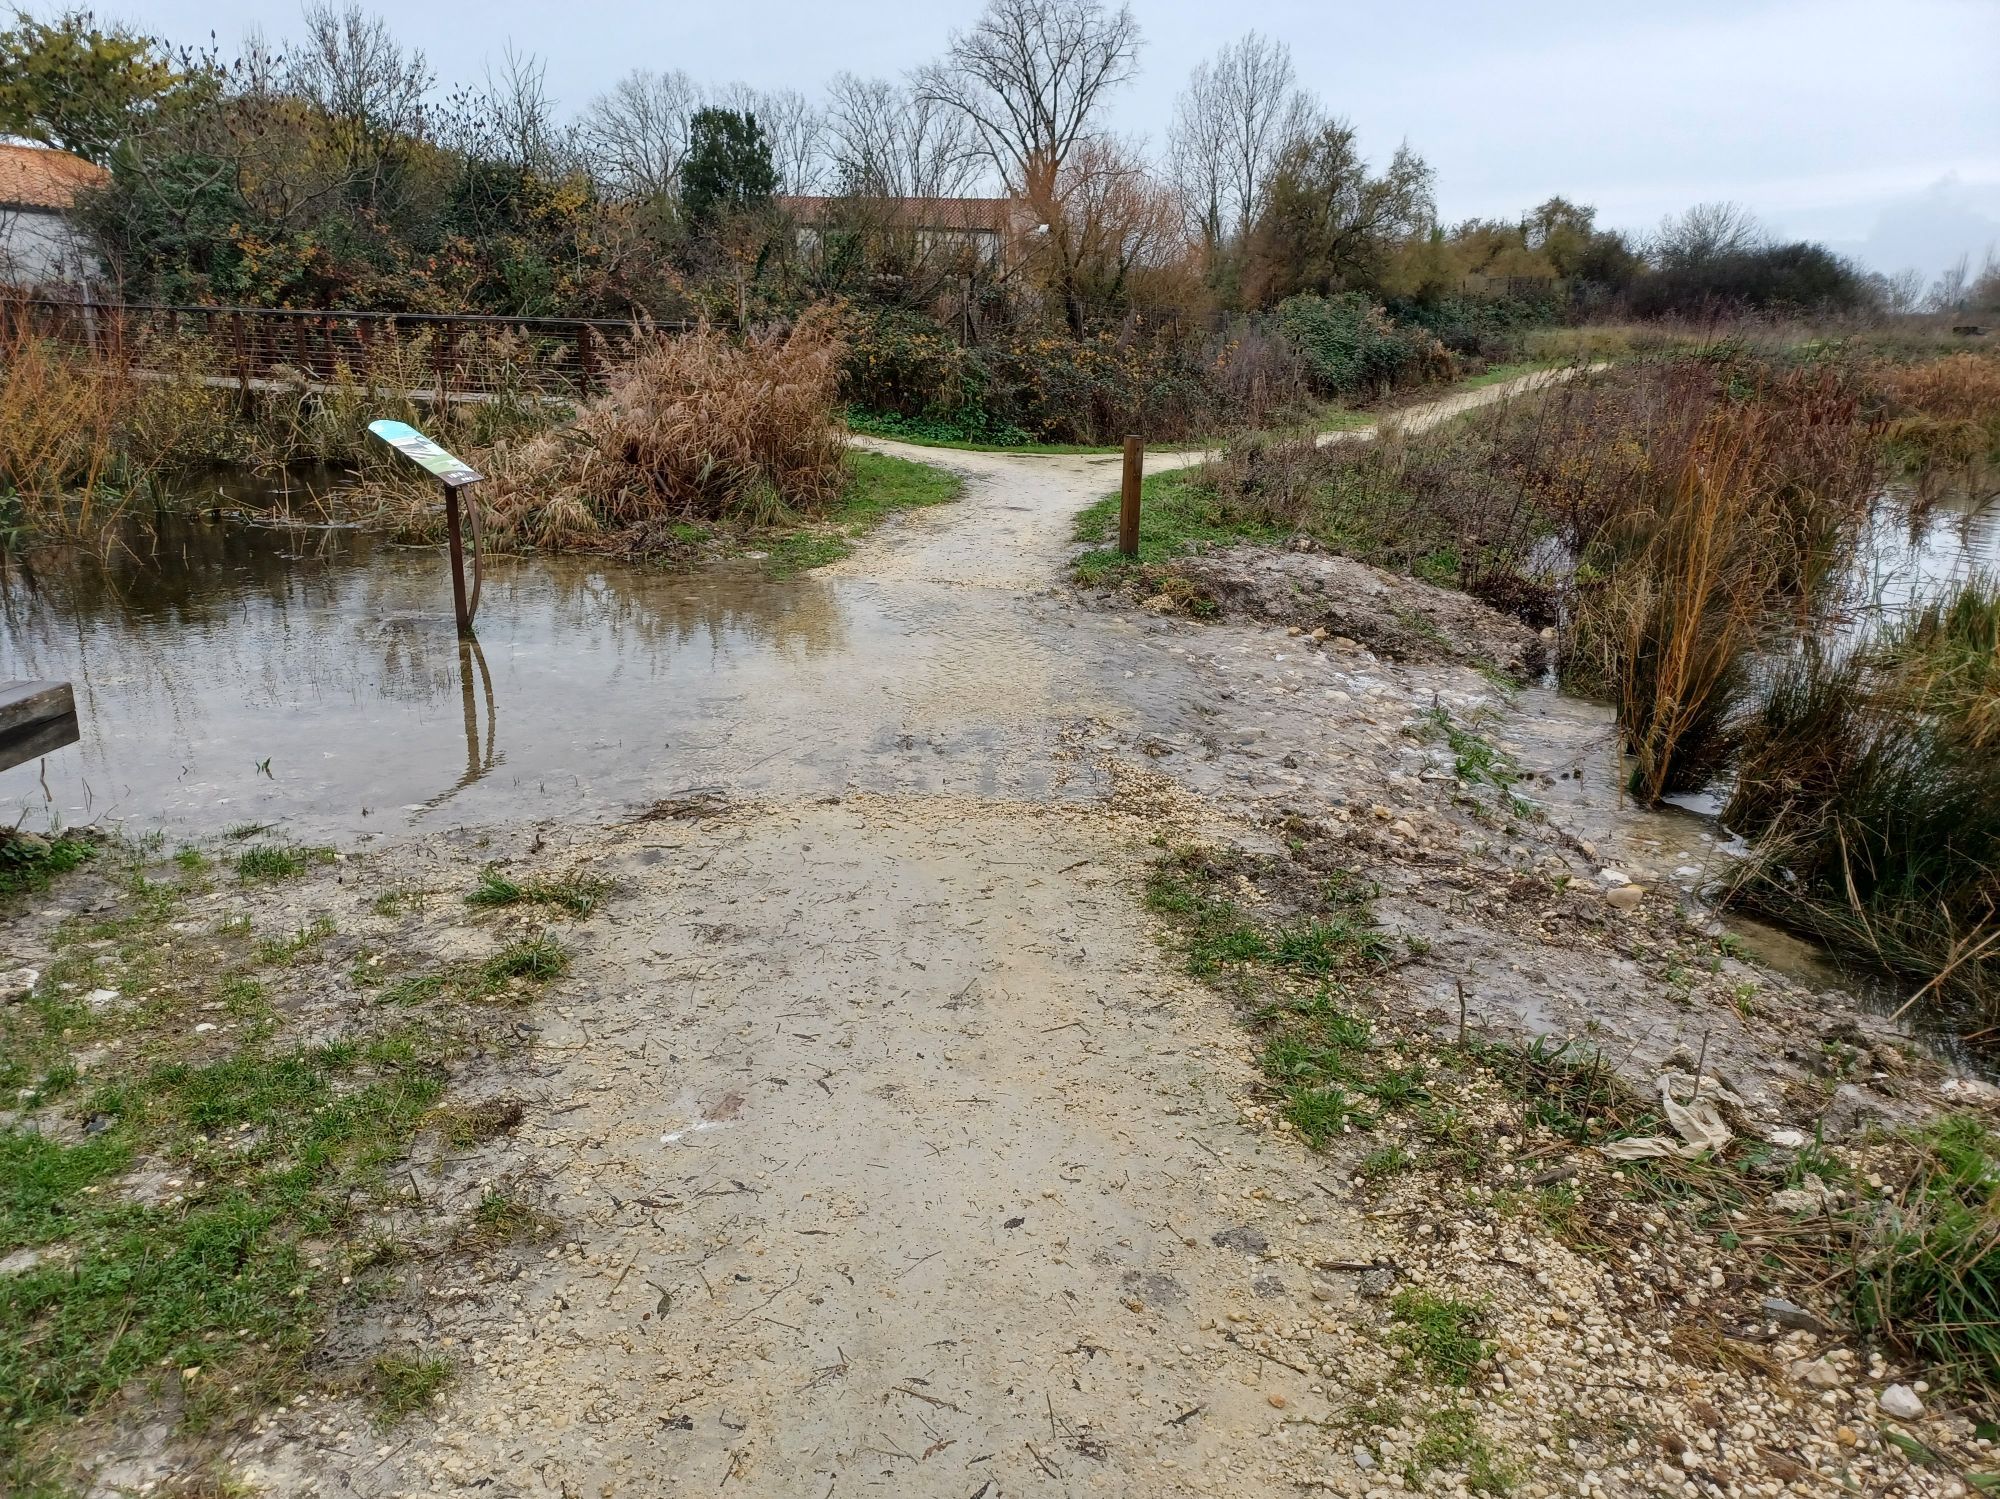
x=1873 y=125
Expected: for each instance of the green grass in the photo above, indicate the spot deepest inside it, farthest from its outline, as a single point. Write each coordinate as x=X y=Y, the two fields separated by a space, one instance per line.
x=1439 y=1334
x=1450 y=1438
x=920 y=434
x=579 y=895
x=404 y=1382
x=278 y=1148
x=29 y=862
x=1931 y=1279
x=878 y=486
x=276 y=861
x=193 y=1244
x=1178 y=513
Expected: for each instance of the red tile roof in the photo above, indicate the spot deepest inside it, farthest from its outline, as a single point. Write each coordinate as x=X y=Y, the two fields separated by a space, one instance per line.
x=42 y=177
x=992 y=214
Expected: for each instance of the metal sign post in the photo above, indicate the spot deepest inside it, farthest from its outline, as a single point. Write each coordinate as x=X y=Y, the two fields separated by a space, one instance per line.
x=454 y=474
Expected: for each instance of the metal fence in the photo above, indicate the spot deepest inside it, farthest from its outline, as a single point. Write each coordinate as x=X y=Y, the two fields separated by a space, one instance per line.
x=429 y=355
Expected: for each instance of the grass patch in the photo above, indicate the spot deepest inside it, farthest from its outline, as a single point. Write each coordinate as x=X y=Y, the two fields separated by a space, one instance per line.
x=576 y=894
x=877 y=486
x=1440 y=1335
x=196 y=1235
x=1180 y=512
x=404 y=1382
x=279 y=861
x=278 y=1148
x=1450 y=1438
x=28 y=862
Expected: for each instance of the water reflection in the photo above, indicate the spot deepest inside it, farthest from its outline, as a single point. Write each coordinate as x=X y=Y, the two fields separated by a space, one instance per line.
x=201 y=648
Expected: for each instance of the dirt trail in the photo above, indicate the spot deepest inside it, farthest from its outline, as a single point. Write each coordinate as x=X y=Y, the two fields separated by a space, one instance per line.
x=890 y=1152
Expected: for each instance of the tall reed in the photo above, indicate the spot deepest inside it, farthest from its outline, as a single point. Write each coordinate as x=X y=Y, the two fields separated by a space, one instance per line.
x=1869 y=781
x=65 y=472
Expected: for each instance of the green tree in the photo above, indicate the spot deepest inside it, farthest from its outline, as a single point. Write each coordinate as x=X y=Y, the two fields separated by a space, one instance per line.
x=728 y=168
x=67 y=83
x=1328 y=225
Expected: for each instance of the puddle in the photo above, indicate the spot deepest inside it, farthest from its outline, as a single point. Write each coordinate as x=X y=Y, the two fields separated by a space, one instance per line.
x=229 y=673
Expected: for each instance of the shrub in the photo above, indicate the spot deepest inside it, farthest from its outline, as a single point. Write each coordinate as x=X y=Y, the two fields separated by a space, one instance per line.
x=1349 y=346
x=1492 y=329
x=700 y=426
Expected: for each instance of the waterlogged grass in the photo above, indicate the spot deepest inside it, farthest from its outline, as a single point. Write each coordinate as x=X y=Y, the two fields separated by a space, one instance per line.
x=279 y=861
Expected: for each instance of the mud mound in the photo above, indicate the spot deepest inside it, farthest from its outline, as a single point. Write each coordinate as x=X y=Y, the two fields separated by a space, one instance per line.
x=1395 y=616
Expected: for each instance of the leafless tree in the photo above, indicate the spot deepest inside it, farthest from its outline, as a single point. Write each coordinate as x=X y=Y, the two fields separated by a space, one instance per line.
x=517 y=115
x=888 y=140
x=794 y=127
x=370 y=89
x=1947 y=293
x=636 y=136
x=1902 y=292
x=1029 y=77
x=1234 y=120
x=1705 y=232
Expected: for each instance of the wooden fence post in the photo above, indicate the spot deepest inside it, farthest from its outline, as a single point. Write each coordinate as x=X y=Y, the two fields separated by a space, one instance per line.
x=1128 y=498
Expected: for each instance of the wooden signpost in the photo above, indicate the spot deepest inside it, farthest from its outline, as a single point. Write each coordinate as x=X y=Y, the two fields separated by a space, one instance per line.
x=454 y=474
x=35 y=717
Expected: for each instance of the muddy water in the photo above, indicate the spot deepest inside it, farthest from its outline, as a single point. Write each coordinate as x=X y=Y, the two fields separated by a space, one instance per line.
x=229 y=673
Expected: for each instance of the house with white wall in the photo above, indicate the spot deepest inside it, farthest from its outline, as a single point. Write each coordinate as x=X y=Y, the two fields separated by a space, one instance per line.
x=41 y=244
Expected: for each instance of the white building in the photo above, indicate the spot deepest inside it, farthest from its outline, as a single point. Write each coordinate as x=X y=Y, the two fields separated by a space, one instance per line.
x=40 y=243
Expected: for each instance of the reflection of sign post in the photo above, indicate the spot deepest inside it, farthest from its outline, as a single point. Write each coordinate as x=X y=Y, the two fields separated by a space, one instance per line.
x=454 y=474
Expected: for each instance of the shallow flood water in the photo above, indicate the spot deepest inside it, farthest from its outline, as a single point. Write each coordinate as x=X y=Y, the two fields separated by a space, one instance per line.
x=228 y=673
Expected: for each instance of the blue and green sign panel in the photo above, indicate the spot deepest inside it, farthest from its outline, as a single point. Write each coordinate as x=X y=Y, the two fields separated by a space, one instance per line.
x=420 y=450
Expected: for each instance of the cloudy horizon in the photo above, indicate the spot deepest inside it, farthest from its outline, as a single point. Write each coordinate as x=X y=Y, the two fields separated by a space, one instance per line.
x=1882 y=141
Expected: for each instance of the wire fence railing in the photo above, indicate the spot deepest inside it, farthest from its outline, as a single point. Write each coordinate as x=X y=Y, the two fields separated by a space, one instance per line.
x=433 y=355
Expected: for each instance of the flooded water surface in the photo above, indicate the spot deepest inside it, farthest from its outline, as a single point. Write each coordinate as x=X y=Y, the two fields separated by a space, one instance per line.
x=227 y=673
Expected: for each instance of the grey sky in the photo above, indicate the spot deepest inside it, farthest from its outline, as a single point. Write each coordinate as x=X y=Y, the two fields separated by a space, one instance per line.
x=1871 y=124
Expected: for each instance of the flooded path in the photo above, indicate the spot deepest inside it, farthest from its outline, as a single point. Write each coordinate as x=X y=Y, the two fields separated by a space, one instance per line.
x=890 y=1153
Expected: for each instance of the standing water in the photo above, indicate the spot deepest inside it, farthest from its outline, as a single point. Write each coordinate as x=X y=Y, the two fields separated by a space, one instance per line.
x=230 y=674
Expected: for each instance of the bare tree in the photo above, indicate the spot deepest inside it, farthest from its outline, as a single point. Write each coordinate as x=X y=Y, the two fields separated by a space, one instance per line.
x=1902 y=292
x=518 y=116
x=1706 y=232
x=1029 y=77
x=1947 y=293
x=636 y=136
x=794 y=127
x=887 y=140
x=1234 y=120
x=371 y=91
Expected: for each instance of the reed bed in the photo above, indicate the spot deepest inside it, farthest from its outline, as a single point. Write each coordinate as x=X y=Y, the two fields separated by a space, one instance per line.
x=697 y=429
x=1869 y=781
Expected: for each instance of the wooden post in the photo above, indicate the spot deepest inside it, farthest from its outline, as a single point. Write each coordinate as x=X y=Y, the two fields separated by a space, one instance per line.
x=458 y=604
x=242 y=356
x=1128 y=498
x=586 y=357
